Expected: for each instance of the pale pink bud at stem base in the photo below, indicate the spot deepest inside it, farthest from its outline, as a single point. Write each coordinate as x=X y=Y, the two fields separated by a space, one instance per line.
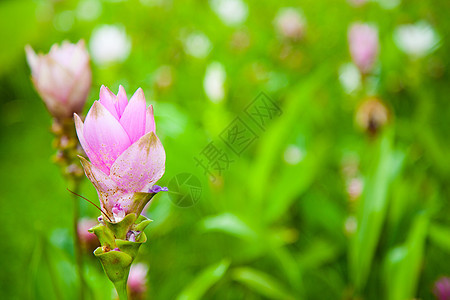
x=137 y=281
x=363 y=43
x=89 y=241
x=126 y=156
x=62 y=77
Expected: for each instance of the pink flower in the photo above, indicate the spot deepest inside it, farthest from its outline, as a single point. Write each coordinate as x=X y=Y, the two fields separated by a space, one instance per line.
x=126 y=156
x=88 y=240
x=62 y=77
x=290 y=23
x=137 y=280
x=442 y=288
x=363 y=42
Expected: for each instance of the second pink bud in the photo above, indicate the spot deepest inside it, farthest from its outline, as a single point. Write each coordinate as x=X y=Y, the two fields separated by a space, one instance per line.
x=364 y=46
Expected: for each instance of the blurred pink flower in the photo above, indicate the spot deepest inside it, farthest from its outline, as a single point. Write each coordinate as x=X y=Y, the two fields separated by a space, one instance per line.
x=357 y=2
x=62 y=77
x=88 y=240
x=137 y=281
x=290 y=23
x=125 y=155
x=442 y=288
x=363 y=43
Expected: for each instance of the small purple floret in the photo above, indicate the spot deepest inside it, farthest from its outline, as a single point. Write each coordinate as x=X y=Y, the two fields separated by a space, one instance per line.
x=131 y=235
x=116 y=249
x=156 y=189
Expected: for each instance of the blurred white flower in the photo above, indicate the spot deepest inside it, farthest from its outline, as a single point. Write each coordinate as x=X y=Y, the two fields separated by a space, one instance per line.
x=89 y=10
x=214 y=82
x=417 y=39
x=293 y=155
x=290 y=23
x=197 y=44
x=108 y=44
x=350 y=77
x=231 y=12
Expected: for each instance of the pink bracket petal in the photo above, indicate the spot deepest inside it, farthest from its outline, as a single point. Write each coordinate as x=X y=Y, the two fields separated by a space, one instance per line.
x=104 y=134
x=133 y=118
x=141 y=165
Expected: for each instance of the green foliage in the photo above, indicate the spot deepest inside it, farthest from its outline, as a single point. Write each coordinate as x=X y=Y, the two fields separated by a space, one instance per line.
x=282 y=221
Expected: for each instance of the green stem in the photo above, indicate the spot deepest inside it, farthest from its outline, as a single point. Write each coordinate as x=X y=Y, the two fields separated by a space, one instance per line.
x=121 y=288
x=74 y=186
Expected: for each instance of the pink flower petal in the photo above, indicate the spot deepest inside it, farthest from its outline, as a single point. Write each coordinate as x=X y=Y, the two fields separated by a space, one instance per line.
x=122 y=101
x=54 y=79
x=108 y=99
x=91 y=154
x=141 y=165
x=107 y=189
x=80 y=90
x=32 y=58
x=150 y=120
x=133 y=118
x=104 y=134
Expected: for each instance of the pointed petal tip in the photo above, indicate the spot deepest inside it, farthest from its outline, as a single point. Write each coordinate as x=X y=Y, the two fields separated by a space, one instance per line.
x=139 y=93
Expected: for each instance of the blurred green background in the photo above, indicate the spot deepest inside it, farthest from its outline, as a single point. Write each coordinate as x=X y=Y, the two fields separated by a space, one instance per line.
x=317 y=207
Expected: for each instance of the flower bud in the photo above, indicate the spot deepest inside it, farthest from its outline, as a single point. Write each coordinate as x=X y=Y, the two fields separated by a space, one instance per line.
x=372 y=115
x=290 y=23
x=363 y=43
x=62 y=77
x=442 y=288
x=88 y=240
x=137 y=281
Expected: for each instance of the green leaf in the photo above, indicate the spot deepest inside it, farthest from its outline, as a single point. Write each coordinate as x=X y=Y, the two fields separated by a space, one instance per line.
x=261 y=283
x=293 y=181
x=372 y=210
x=230 y=224
x=271 y=145
x=439 y=235
x=204 y=281
x=317 y=254
x=402 y=264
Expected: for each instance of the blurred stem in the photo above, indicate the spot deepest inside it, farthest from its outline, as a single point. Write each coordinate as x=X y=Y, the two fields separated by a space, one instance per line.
x=74 y=185
x=121 y=288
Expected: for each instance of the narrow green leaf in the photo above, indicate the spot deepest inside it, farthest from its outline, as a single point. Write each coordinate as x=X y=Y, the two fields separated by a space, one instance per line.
x=204 y=281
x=372 y=211
x=440 y=236
x=402 y=264
x=230 y=224
x=261 y=283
